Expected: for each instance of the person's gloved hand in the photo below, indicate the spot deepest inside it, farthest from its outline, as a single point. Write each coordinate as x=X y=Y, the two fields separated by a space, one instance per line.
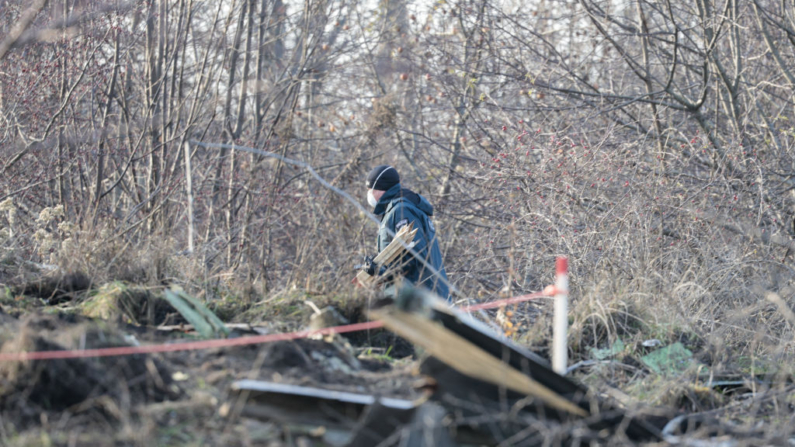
x=370 y=266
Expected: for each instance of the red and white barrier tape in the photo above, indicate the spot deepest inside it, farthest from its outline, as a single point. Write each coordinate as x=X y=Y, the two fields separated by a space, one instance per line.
x=229 y=342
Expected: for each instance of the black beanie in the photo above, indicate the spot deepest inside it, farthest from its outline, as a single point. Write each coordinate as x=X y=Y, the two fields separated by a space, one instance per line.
x=382 y=178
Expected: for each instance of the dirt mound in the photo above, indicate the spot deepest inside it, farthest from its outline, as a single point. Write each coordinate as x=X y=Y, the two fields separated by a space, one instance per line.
x=131 y=304
x=56 y=288
x=390 y=344
x=30 y=388
x=354 y=311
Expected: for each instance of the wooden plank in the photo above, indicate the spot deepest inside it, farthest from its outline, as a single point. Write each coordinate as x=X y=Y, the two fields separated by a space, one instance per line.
x=395 y=248
x=503 y=348
x=345 y=419
x=452 y=364
x=393 y=251
x=468 y=359
x=261 y=389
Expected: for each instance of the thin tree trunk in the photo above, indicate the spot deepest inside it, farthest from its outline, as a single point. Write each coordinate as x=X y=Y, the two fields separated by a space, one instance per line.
x=189 y=192
x=153 y=105
x=248 y=11
x=101 y=146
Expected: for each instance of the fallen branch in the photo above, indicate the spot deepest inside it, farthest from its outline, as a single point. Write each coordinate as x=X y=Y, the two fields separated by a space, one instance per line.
x=22 y=24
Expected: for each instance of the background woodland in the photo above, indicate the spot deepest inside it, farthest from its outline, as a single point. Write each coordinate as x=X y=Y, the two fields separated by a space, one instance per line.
x=652 y=142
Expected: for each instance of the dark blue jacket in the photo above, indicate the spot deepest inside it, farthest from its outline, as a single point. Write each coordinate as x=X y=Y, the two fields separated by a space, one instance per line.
x=399 y=207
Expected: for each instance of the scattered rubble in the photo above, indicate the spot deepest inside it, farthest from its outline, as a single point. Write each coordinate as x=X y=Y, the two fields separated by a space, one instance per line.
x=472 y=385
x=477 y=388
x=29 y=388
x=338 y=418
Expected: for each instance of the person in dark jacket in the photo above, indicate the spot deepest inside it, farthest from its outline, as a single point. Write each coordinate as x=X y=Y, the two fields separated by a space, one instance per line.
x=398 y=207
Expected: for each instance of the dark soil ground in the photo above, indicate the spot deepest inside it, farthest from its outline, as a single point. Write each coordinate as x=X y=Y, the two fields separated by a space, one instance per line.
x=184 y=398
x=178 y=398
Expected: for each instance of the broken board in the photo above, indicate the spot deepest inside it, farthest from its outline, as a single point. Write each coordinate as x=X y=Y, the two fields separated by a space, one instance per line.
x=343 y=418
x=472 y=363
x=463 y=355
x=396 y=249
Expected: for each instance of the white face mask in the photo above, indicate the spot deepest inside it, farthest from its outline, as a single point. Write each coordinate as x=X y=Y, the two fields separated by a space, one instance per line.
x=371 y=198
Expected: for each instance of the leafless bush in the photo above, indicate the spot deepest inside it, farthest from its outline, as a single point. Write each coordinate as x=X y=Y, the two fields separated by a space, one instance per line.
x=649 y=141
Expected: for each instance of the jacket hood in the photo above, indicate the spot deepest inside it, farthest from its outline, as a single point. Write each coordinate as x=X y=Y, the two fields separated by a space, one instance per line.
x=398 y=192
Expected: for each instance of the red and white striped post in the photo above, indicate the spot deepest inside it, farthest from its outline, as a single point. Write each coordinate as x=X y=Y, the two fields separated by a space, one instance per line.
x=560 y=316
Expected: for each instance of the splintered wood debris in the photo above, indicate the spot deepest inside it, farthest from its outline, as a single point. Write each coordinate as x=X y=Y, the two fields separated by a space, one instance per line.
x=479 y=388
x=403 y=238
x=466 y=358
